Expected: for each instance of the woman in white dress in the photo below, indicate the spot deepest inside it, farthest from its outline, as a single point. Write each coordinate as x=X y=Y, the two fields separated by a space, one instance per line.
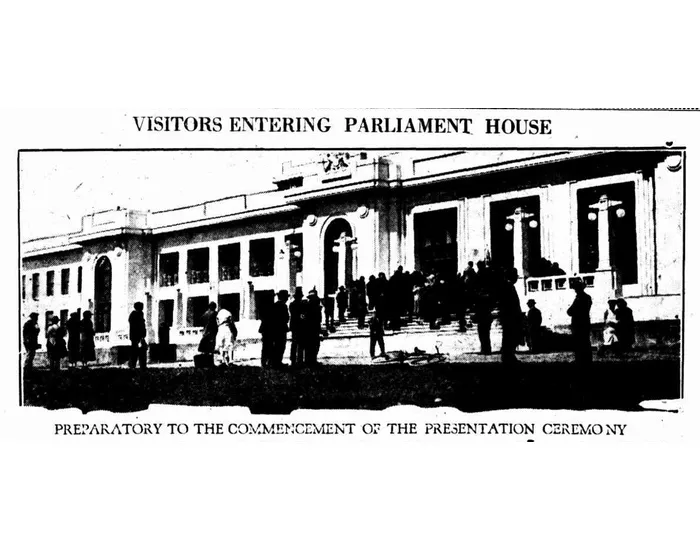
x=226 y=336
x=610 y=322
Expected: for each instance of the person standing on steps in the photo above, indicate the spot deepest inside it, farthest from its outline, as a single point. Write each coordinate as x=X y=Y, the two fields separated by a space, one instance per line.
x=342 y=301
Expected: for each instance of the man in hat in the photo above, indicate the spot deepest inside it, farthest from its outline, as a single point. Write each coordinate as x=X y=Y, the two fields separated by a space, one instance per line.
x=207 y=344
x=311 y=323
x=580 y=313
x=279 y=327
x=341 y=299
x=296 y=356
x=30 y=339
x=137 y=335
x=511 y=317
x=534 y=327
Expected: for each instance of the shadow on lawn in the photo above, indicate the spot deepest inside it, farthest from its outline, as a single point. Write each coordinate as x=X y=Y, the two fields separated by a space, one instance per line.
x=467 y=387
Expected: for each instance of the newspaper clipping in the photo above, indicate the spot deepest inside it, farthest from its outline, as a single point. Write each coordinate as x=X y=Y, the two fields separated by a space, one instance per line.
x=467 y=274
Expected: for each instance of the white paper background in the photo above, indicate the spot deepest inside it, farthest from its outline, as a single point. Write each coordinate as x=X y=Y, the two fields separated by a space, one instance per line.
x=344 y=492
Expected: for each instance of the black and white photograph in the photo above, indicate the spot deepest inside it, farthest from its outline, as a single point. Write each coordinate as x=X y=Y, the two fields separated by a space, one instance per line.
x=353 y=279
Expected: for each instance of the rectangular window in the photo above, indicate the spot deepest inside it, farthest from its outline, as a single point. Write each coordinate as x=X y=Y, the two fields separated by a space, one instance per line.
x=35 y=286
x=65 y=280
x=49 y=283
x=262 y=257
x=231 y=302
x=617 y=203
x=169 y=267
x=24 y=287
x=80 y=279
x=230 y=262
x=198 y=266
x=263 y=302
x=47 y=321
x=196 y=307
x=64 y=317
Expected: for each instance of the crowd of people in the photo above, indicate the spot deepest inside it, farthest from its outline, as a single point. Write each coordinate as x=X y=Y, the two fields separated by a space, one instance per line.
x=475 y=294
x=80 y=345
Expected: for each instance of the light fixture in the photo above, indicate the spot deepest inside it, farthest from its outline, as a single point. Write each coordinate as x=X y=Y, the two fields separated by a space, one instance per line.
x=509 y=226
x=592 y=216
x=620 y=212
x=533 y=224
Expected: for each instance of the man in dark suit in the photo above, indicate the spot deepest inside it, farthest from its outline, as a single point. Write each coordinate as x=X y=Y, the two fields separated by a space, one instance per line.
x=137 y=335
x=580 y=313
x=279 y=326
x=511 y=318
x=30 y=339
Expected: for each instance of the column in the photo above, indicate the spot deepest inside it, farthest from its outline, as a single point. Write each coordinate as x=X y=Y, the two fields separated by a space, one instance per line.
x=246 y=283
x=214 y=273
x=341 y=249
x=394 y=216
x=312 y=258
x=181 y=287
x=646 y=238
x=282 y=269
x=518 y=217
x=603 y=206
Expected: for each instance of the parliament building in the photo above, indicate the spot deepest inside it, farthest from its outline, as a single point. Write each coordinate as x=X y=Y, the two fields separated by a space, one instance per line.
x=611 y=217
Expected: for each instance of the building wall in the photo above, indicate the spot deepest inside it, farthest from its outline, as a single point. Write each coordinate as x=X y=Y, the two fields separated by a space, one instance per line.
x=382 y=219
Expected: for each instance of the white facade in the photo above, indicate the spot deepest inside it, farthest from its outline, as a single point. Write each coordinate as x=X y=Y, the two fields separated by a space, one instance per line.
x=375 y=209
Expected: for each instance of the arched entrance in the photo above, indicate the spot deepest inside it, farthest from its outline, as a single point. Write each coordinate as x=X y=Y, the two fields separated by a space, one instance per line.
x=338 y=256
x=103 y=295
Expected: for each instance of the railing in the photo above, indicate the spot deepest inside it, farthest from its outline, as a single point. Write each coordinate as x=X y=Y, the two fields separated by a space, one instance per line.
x=229 y=273
x=557 y=282
x=198 y=276
x=168 y=279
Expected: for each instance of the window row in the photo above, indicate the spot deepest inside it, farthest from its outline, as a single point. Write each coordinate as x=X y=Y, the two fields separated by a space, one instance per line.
x=49 y=285
x=261 y=255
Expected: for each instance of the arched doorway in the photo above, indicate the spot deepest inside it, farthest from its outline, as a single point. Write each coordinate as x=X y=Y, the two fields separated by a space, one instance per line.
x=337 y=269
x=103 y=294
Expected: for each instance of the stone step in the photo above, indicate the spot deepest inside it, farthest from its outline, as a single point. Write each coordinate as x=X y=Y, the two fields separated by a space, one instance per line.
x=349 y=329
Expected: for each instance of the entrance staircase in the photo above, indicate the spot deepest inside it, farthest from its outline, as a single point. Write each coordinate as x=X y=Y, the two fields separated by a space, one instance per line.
x=415 y=334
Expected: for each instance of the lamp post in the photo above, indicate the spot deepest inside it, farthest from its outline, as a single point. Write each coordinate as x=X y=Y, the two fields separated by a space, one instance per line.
x=602 y=207
x=518 y=218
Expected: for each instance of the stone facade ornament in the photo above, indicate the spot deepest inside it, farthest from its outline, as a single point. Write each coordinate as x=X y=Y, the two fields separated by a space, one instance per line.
x=674 y=162
x=335 y=162
x=363 y=211
x=311 y=220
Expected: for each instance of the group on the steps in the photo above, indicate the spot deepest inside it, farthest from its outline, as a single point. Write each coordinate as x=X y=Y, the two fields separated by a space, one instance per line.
x=474 y=297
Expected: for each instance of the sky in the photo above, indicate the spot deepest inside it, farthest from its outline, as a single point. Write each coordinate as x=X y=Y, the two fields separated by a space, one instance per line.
x=57 y=188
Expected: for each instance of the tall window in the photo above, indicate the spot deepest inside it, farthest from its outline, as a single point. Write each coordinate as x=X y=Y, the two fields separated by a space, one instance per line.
x=621 y=224
x=24 y=287
x=80 y=279
x=65 y=280
x=262 y=257
x=49 y=283
x=169 y=269
x=35 y=286
x=48 y=315
x=198 y=266
x=230 y=262
x=196 y=308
